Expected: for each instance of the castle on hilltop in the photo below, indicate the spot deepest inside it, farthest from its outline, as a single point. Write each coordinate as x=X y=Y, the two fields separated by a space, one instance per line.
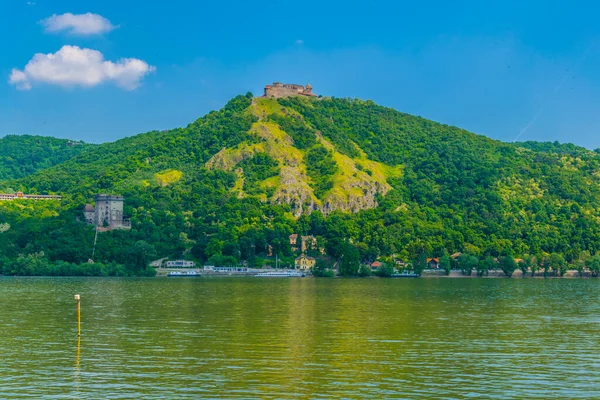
x=279 y=89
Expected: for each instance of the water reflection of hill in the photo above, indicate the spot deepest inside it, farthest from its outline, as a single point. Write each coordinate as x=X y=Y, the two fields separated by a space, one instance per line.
x=250 y=337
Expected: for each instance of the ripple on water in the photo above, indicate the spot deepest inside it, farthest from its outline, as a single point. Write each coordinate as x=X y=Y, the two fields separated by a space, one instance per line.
x=244 y=338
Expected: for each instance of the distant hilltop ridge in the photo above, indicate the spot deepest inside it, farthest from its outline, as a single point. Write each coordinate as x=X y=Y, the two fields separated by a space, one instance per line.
x=278 y=90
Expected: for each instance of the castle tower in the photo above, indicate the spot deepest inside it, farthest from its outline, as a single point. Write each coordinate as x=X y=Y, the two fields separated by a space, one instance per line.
x=109 y=210
x=307 y=89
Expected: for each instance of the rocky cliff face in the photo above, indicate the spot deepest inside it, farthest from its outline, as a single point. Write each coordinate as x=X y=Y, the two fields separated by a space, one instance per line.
x=294 y=190
x=356 y=183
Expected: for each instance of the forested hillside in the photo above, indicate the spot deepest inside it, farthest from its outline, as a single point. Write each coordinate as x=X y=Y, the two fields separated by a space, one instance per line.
x=22 y=155
x=555 y=147
x=356 y=175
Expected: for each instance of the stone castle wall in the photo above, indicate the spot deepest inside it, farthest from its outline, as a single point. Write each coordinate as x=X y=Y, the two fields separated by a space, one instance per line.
x=278 y=90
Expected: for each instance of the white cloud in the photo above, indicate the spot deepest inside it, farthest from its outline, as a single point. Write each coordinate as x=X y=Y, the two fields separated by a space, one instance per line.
x=74 y=66
x=19 y=78
x=78 y=24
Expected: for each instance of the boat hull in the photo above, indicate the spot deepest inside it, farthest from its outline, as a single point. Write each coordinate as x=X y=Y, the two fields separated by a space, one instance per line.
x=280 y=275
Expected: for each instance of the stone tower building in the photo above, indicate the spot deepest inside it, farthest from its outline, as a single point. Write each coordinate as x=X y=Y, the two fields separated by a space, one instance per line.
x=108 y=212
x=278 y=89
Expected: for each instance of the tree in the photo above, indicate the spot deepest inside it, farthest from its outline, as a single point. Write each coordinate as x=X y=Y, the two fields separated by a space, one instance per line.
x=523 y=266
x=143 y=253
x=335 y=246
x=232 y=249
x=364 y=271
x=472 y=249
x=420 y=264
x=303 y=224
x=594 y=265
x=320 y=167
x=317 y=224
x=507 y=263
x=368 y=254
x=484 y=265
x=558 y=263
x=580 y=264
x=319 y=268
x=545 y=265
x=467 y=264
x=535 y=264
x=220 y=260
x=584 y=255
x=528 y=261
x=214 y=248
x=445 y=264
x=350 y=261
x=385 y=271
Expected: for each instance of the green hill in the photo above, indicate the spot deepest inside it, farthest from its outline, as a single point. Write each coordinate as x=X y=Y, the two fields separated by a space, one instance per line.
x=241 y=179
x=22 y=155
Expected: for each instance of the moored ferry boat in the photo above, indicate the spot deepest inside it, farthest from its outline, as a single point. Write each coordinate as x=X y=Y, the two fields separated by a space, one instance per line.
x=184 y=274
x=280 y=274
x=405 y=275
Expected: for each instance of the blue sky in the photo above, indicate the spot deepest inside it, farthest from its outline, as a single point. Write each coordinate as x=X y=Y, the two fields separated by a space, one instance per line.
x=499 y=68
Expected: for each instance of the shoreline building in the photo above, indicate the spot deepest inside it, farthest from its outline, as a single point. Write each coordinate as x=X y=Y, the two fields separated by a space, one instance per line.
x=278 y=90
x=304 y=262
x=107 y=213
x=304 y=243
x=23 y=196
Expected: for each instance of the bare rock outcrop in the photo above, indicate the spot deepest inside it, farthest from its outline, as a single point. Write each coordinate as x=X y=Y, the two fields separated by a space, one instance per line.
x=295 y=191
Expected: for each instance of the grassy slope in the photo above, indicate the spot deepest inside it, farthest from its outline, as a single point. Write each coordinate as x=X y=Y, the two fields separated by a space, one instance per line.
x=356 y=177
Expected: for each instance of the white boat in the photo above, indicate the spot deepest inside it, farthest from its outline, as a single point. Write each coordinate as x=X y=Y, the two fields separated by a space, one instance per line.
x=405 y=275
x=280 y=274
x=183 y=273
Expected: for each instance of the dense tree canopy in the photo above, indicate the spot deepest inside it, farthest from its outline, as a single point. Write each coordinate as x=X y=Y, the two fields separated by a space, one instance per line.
x=457 y=192
x=23 y=155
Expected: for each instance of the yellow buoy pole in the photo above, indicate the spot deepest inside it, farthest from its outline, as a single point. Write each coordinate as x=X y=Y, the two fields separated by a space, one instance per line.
x=78 y=300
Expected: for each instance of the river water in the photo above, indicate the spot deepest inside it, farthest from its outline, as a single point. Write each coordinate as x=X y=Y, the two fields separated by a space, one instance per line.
x=300 y=337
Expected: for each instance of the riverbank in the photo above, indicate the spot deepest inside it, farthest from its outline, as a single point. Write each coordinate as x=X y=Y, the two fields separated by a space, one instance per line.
x=163 y=272
x=572 y=273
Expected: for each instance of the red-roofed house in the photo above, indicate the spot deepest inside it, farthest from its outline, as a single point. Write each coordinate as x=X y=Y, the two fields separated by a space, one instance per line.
x=294 y=241
x=375 y=265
